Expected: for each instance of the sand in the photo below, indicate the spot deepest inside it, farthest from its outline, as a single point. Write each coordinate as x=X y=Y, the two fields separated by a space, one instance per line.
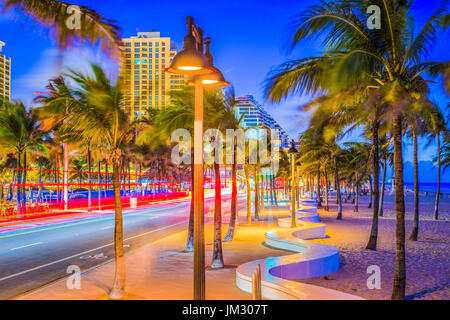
x=427 y=260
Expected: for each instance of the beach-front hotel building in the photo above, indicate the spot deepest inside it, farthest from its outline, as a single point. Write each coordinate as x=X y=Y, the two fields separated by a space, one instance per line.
x=146 y=83
x=5 y=76
x=256 y=116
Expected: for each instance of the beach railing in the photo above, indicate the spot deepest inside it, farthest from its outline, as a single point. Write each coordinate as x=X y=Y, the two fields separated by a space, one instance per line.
x=256 y=283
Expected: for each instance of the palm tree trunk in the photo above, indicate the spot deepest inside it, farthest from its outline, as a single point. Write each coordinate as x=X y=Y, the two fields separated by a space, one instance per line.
x=319 y=193
x=39 y=195
x=66 y=176
x=99 y=177
x=19 y=183
x=371 y=192
x=270 y=186
x=338 y=188
x=261 y=189
x=129 y=177
x=438 y=191
x=119 y=255
x=256 y=194
x=383 y=184
x=275 y=190
x=233 y=214
x=217 y=257
x=372 y=243
x=326 y=187
x=398 y=292
x=249 y=196
x=415 y=230
x=356 y=191
x=24 y=181
x=89 y=177
x=190 y=239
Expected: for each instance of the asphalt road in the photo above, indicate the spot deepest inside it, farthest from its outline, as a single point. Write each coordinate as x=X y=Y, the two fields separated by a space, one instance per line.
x=37 y=255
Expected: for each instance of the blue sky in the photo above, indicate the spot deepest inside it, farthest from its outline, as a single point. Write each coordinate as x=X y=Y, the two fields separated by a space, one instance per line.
x=248 y=38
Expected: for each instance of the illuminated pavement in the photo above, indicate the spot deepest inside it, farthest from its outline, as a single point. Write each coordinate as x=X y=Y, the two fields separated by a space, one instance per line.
x=40 y=252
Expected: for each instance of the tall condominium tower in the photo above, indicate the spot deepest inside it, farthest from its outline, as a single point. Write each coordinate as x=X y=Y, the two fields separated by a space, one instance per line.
x=5 y=75
x=146 y=83
x=255 y=116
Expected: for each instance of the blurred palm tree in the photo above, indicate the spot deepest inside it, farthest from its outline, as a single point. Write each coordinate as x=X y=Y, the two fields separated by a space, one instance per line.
x=54 y=111
x=20 y=132
x=437 y=126
x=179 y=115
x=93 y=27
x=103 y=121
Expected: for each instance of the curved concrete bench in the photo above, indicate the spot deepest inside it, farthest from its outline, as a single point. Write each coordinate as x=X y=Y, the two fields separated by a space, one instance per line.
x=311 y=260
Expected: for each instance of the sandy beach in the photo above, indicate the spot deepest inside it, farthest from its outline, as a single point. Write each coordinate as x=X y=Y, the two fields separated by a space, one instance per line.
x=427 y=261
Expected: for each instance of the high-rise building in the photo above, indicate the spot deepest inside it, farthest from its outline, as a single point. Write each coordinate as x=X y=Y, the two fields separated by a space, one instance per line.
x=256 y=116
x=146 y=83
x=5 y=75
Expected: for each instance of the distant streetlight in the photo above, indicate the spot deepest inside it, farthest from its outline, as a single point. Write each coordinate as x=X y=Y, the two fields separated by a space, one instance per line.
x=192 y=61
x=292 y=152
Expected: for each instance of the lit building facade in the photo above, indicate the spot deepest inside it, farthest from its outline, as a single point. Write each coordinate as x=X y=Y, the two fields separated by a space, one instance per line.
x=146 y=83
x=256 y=116
x=5 y=76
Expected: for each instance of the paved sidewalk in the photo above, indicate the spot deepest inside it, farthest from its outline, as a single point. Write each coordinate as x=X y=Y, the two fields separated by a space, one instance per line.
x=162 y=270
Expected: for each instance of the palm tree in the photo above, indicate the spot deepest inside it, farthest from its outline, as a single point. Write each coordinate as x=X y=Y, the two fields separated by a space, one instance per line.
x=20 y=132
x=180 y=114
x=53 y=112
x=53 y=14
x=445 y=153
x=222 y=116
x=354 y=55
x=437 y=126
x=103 y=120
x=417 y=128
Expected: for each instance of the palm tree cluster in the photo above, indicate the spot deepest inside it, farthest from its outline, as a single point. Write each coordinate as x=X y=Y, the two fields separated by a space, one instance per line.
x=372 y=80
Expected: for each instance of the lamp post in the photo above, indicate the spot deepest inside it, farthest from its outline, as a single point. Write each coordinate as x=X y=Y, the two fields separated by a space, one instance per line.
x=292 y=152
x=192 y=61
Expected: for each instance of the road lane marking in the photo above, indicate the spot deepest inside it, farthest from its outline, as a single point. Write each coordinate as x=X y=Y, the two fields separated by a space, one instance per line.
x=109 y=227
x=85 y=252
x=26 y=246
x=72 y=224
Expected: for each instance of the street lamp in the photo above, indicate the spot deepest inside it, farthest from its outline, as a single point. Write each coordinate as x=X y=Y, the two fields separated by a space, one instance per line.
x=210 y=80
x=292 y=152
x=192 y=61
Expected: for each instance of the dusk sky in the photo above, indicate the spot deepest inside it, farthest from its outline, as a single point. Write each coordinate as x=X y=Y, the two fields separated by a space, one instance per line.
x=248 y=38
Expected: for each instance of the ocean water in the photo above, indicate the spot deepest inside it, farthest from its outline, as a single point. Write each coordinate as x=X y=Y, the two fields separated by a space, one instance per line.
x=445 y=187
